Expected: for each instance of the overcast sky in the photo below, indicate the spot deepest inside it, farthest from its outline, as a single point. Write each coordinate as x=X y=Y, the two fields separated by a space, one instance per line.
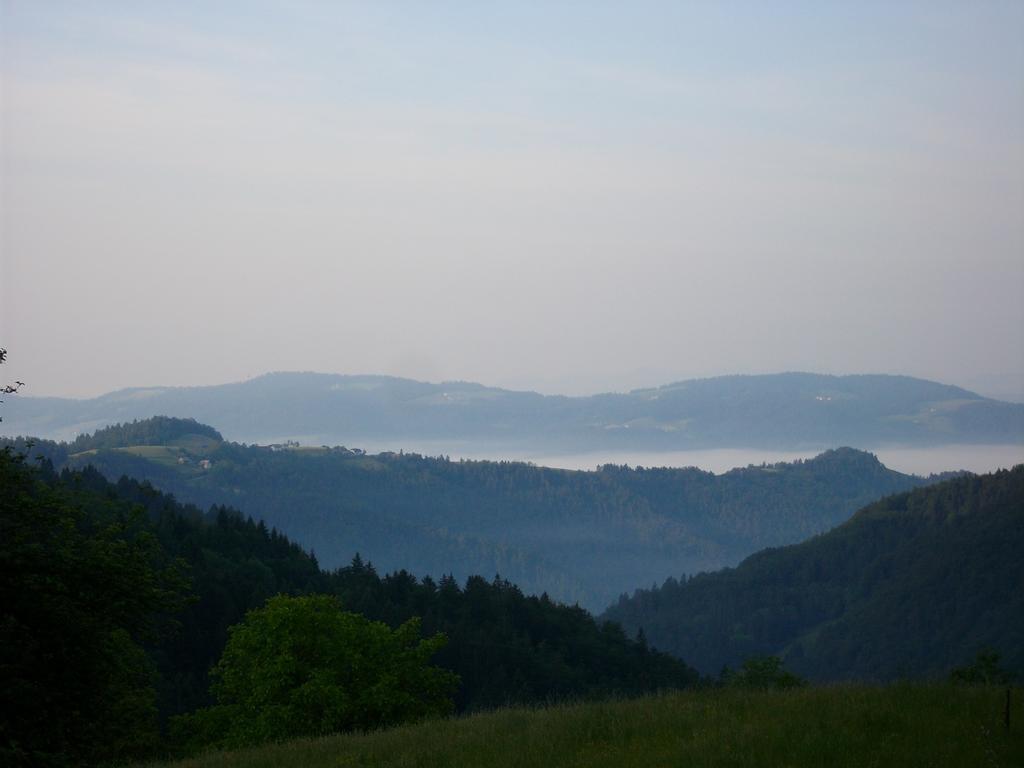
x=568 y=197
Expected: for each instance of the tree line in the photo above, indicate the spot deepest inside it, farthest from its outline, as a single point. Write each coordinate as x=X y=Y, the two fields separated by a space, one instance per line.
x=118 y=601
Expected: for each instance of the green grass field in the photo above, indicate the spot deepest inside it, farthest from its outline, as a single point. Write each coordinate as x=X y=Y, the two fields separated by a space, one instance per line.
x=192 y=447
x=161 y=454
x=823 y=727
x=198 y=445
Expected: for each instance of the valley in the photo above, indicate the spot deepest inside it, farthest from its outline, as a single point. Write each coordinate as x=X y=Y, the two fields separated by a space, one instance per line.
x=581 y=537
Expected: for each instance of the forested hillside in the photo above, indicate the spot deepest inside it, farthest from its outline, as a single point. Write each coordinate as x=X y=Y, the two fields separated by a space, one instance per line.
x=580 y=536
x=159 y=430
x=94 y=571
x=790 y=410
x=910 y=586
x=506 y=647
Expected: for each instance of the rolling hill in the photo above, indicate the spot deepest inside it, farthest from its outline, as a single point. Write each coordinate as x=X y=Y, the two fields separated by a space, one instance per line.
x=580 y=536
x=791 y=410
x=908 y=587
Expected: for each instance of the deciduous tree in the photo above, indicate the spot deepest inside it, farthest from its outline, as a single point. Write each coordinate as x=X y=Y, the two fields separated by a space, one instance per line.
x=303 y=666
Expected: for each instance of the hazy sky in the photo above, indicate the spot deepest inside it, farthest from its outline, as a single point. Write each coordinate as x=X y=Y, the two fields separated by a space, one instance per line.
x=559 y=196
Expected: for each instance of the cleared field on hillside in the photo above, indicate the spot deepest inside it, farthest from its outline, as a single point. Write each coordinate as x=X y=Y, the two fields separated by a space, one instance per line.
x=902 y=725
x=190 y=448
x=196 y=444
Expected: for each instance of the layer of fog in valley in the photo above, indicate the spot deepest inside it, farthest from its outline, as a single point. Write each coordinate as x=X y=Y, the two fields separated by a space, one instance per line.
x=911 y=460
x=915 y=461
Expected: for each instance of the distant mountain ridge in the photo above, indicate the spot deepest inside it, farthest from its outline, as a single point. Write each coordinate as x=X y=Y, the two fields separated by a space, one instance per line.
x=788 y=410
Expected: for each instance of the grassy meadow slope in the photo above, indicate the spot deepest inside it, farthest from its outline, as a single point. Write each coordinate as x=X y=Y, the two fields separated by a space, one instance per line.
x=902 y=589
x=847 y=726
x=790 y=410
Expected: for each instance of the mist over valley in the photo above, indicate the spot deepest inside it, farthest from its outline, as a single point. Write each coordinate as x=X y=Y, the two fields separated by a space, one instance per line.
x=796 y=413
x=511 y=385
